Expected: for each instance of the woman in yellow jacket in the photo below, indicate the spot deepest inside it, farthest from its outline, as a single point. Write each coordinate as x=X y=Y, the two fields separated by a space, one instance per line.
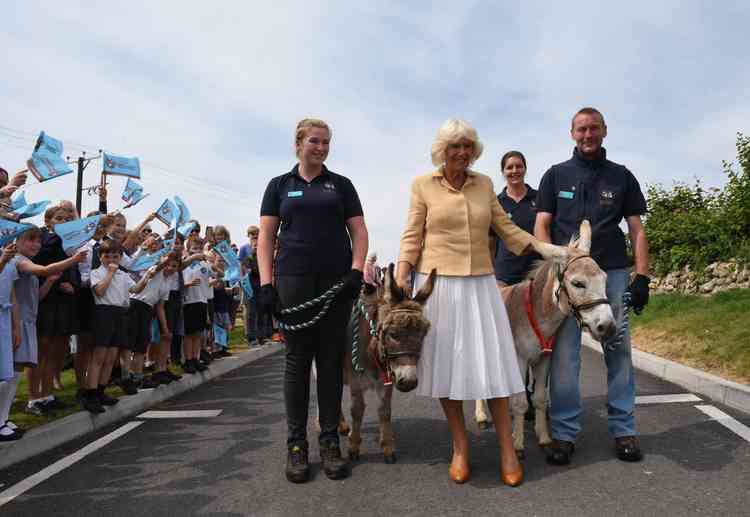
x=468 y=353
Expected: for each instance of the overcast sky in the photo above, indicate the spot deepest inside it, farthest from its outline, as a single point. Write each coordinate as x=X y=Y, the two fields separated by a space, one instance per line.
x=208 y=97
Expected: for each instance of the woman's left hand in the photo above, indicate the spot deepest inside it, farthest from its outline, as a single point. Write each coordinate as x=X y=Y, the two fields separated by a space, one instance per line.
x=352 y=284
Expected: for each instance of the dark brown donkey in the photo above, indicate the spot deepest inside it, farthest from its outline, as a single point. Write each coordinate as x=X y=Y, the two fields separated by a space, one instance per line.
x=390 y=329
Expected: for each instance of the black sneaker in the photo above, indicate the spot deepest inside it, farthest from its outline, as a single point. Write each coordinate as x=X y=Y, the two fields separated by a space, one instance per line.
x=129 y=386
x=106 y=400
x=297 y=466
x=206 y=356
x=170 y=374
x=55 y=404
x=559 y=452
x=150 y=382
x=92 y=404
x=199 y=366
x=189 y=366
x=334 y=465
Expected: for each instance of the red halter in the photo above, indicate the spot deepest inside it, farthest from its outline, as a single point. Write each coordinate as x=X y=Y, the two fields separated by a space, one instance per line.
x=545 y=344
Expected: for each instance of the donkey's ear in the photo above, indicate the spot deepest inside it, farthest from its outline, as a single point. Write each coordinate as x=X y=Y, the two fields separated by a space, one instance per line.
x=584 y=239
x=426 y=290
x=393 y=293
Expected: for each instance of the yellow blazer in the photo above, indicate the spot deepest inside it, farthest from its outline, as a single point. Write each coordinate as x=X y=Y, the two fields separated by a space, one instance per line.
x=448 y=229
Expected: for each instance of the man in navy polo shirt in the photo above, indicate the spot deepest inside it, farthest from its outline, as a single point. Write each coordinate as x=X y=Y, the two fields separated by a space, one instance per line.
x=589 y=186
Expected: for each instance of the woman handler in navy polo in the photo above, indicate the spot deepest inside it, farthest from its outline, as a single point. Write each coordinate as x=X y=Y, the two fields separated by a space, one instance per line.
x=519 y=202
x=322 y=239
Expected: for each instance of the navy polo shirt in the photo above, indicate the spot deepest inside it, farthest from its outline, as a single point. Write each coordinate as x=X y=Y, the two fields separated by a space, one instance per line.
x=313 y=238
x=599 y=190
x=509 y=267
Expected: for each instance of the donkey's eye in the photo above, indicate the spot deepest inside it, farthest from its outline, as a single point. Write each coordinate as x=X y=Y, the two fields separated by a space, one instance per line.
x=578 y=284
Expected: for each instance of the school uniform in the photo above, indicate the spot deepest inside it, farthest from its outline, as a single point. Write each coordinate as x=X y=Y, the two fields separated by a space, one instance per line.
x=110 y=325
x=195 y=300
x=58 y=311
x=27 y=298
x=141 y=312
x=7 y=277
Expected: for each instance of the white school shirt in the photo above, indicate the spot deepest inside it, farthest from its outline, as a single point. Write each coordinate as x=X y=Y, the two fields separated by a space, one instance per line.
x=196 y=294
x=172 y=282
x=118 y=291
x=156 y=290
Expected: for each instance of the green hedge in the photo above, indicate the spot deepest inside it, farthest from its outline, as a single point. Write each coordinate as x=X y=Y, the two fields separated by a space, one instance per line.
x=695 y=226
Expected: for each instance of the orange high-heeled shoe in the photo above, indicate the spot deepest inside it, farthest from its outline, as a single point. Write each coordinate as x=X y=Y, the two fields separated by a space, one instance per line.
x=514 y=478
x=459 y=473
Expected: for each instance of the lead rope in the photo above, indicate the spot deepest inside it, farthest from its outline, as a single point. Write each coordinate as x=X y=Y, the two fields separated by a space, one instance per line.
x=325 y=298
x=359 y=309
x=612 y=344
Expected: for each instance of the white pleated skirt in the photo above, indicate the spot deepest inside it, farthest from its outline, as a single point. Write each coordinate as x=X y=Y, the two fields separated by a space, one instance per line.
x=468 y=353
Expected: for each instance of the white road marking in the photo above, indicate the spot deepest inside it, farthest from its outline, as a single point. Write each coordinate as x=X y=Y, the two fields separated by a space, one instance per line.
x=667 y=399
x=727 y=421
x=208 y=413
x=44 y=474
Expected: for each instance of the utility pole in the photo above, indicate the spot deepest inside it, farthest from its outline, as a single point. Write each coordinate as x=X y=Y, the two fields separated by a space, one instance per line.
x=83 y=162
x=79 y=182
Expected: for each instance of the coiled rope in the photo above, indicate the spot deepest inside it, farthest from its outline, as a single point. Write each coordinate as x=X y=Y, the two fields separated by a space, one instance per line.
x=613 y=343
x=326 y=299
x=359 y=309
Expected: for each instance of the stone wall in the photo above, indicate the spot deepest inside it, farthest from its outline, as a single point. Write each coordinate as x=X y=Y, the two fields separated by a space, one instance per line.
x=719 y=276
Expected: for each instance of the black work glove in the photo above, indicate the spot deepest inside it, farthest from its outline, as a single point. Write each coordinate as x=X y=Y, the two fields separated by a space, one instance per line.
x=639 y=292
x=352 y=284
x=268 y=299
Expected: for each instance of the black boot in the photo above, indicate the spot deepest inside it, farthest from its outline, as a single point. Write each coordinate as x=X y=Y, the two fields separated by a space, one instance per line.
x=627 y=448
x=90 y=402
x=297 y=466
x=334 y=465
x=559 y=452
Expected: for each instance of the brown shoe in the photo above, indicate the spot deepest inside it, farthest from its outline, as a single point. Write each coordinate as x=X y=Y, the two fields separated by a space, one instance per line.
x=627 y=448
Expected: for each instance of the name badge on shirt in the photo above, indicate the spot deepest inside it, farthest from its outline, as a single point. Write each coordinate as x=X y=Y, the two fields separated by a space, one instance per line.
x=566 y=194
x=294 y=193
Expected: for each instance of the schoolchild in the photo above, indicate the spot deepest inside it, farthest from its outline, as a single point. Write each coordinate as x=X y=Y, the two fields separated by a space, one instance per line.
x=27 y=292
x=10 y=339
x=222 y=304
x=207 y=342
x=195 y=275
x=57 y=319
x=144 y=306
x=166 y=318
x=112 y=288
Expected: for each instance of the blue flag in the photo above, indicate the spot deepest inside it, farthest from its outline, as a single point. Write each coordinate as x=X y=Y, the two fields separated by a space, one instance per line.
x=132 y=194
x=76 y=233
x=46 y=161
x=120 y=166
x=183 y=215
x=9 y=230
x=31 y=210
x=227 y=253
x=247 y=286
x=167 y=212
x=147 y=260
x=232 y=275
x=18 y=202
x=220 y=336
x=186 y=228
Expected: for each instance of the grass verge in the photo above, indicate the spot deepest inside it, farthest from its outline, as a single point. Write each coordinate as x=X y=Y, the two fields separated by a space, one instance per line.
x=67 y=395
x=708 y=333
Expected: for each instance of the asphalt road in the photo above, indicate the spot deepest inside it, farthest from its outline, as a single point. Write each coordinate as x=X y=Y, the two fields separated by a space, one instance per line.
x=233 y=464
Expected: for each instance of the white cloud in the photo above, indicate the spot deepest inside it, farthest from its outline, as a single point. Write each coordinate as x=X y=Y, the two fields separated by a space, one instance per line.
x=213 y=92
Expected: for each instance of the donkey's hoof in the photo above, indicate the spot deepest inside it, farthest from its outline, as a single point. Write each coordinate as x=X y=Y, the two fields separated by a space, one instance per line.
x=390 y=459
x=353 y=455
x=520 y=454
x=483 y=426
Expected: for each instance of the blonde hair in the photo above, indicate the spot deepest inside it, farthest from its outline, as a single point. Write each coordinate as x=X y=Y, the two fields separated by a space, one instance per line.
x=303 y=126
x=223 y=229
x=451 y=132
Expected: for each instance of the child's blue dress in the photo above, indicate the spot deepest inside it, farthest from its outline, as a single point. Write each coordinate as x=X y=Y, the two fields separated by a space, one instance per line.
x=7 y=277
x=27 y=297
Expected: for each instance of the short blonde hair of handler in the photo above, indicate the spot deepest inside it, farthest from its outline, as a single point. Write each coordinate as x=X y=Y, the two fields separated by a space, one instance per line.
x=303 y=126
x=452 y=131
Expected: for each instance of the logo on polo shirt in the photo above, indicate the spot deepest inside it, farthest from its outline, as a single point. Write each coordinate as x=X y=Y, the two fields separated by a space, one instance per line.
x=329 y=186
x=607 y=198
